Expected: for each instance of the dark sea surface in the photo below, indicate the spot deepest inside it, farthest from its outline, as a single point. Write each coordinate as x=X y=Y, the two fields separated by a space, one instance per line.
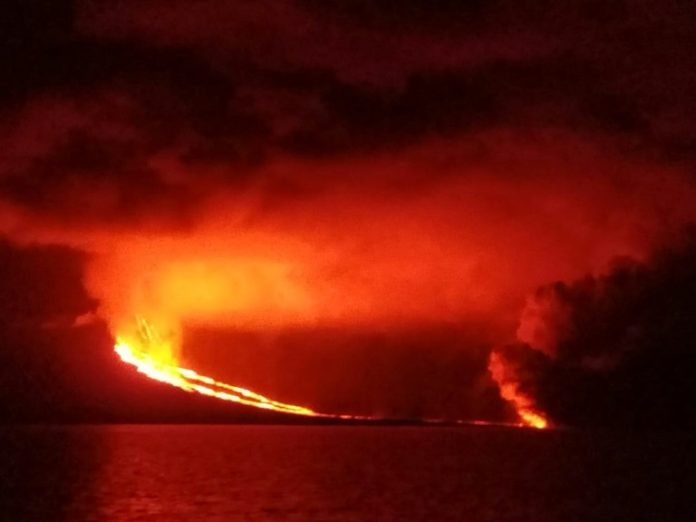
x=227 y=473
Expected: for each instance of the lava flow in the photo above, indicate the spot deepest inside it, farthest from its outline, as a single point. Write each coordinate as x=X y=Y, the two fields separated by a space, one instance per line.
x=154 y=359
x=190 y=381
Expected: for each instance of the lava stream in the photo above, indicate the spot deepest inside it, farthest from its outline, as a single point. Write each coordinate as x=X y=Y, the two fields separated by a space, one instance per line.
x=191 y=381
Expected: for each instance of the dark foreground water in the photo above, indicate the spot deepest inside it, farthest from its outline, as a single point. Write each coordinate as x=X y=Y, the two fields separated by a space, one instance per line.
x=216 y=473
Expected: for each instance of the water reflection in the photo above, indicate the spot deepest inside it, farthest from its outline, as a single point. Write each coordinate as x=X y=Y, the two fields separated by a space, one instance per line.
x=221 y=473
x=47 y=471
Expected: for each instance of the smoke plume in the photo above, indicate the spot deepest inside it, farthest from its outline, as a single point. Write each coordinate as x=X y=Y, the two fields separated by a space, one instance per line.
x=611 y=349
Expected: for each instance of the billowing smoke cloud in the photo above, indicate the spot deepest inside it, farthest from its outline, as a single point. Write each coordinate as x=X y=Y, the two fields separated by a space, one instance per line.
x=610 y=349
x=381 y=174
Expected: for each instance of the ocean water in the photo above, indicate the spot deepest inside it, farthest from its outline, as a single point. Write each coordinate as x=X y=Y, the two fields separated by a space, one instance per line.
x=335 y=473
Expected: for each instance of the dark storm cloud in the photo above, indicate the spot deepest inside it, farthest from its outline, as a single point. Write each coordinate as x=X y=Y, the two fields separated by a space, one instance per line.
x=614 y=349
x=291 y=35
x=86 y=125
x=220 y=86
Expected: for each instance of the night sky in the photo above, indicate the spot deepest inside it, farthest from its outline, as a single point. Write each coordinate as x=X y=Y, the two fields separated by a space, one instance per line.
x=379 y=208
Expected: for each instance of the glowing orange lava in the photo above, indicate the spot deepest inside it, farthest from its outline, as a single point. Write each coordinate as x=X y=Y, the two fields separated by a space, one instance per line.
x=190 y=381
x=506 y=379
x=533 y=419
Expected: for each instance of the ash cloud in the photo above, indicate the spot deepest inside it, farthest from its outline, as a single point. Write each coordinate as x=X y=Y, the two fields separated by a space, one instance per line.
x=119 y=111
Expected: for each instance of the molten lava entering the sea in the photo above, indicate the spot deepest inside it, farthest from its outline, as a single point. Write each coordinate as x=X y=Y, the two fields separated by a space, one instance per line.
x=533 y=419
x=505 y=376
